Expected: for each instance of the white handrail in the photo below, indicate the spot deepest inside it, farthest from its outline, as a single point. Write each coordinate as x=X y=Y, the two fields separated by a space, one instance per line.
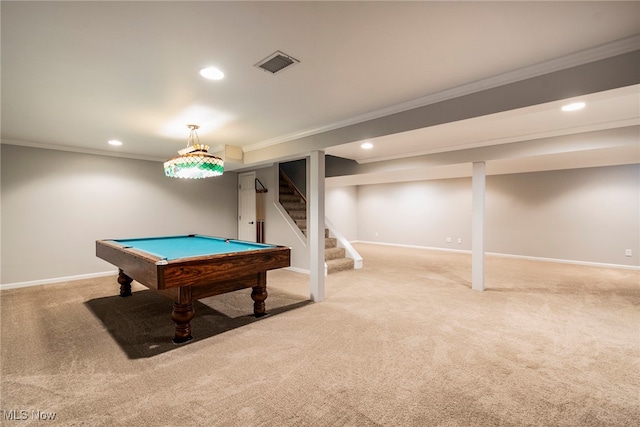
x=344 y=243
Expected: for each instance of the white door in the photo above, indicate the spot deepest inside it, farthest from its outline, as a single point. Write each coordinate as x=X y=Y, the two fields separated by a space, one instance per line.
x=247 y=206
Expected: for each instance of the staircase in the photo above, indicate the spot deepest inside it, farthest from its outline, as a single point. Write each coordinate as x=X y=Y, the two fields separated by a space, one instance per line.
x=334 y=256
x=296 y=206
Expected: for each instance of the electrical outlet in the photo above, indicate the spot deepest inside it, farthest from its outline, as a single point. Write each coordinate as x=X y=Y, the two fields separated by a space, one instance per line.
x=628 y=252
x=459 y=240
x=449 y=240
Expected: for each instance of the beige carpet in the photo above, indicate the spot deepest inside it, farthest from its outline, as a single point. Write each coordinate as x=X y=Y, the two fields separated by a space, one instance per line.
x=402 y=342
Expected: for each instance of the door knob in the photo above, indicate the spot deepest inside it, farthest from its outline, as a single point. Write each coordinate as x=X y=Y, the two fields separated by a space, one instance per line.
x=251 y=222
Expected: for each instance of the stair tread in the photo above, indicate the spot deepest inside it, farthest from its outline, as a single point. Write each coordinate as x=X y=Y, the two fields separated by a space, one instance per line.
x=290 y=198
x=294 y=206
x=345 y=261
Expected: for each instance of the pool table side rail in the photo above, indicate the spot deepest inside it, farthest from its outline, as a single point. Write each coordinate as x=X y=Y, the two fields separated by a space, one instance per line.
x=136 y=264
x=224 y=267
x=157 y=273
x=214 y=288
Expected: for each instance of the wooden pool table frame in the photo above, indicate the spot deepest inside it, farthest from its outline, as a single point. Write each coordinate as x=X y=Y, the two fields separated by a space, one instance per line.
x=188 y=279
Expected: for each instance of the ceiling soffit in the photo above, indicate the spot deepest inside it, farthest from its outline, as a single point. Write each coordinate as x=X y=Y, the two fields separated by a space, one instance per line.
x=602 y=75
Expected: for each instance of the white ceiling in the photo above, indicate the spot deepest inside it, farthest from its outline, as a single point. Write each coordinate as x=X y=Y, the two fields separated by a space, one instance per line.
x=76 y=74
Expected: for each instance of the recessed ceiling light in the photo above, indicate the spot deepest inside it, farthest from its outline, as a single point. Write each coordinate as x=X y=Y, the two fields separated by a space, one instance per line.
x=367 y=146
x=211 y=73
x=115 y=142
x=573 y=106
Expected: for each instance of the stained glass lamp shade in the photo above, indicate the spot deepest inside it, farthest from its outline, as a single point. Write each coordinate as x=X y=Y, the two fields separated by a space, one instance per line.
x=194 y=161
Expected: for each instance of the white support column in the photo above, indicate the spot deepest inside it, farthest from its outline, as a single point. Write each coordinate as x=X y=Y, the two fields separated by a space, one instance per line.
x=315 y=224
x=478 y=226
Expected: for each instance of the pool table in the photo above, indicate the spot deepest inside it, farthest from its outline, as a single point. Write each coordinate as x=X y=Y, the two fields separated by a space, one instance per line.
x=186 y=268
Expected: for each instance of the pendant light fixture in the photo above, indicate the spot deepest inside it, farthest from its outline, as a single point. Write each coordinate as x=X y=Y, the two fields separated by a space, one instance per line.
x=194 y=162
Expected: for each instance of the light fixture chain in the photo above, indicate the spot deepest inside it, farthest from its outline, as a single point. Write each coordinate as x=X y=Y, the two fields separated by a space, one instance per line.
x=193 y=135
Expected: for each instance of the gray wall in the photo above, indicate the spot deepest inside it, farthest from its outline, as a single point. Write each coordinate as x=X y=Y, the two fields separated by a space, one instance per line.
x=585 y=215
x=341 y=208
x=55 y=205
x=422 y=213
x=590 y=214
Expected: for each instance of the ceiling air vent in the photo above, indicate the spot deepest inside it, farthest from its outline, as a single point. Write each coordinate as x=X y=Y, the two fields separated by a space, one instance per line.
x=276 y=62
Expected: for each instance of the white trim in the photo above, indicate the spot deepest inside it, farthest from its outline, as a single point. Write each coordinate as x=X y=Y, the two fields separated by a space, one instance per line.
x=400 y=245
x=315 y=223
x=298 y=270
x=567 y=261
x=478 y=196
x=496 y=254
x=290 y=222
x=81 y=150
x=253 y=213
x=56 y=280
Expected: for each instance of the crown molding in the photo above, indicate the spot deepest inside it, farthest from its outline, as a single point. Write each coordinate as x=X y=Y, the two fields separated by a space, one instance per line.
x=79 y=150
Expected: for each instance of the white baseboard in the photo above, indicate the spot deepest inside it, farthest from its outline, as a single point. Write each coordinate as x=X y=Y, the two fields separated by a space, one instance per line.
x=298 y=270
x=56 y=280
x=399 y=245
x=561 y=261
x=89 y=276
x=567 y=261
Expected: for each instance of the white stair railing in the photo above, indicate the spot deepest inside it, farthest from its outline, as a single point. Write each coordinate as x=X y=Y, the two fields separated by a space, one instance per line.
x=344 y=243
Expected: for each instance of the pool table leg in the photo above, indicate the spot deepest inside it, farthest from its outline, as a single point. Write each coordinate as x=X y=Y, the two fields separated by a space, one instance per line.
x=125 y=284
x=259 y=294
x=182 y=314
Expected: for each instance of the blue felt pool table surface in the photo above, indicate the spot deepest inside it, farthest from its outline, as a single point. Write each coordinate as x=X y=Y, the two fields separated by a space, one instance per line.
x=177 y=247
